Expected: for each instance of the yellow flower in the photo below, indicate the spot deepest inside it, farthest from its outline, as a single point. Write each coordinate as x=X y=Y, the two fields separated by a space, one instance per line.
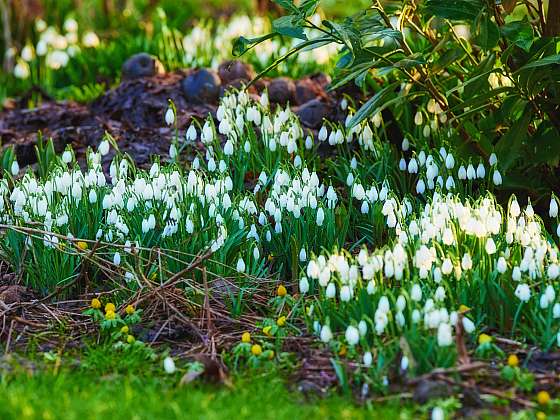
x=266 y=330
x=124 y=329
x=543 y=397
x=82 y=245
x=130 y=339
x=513 y=360
x=281 y=291
x=281 y=321
x=541 y=415
x=256 y=349
x=129 y=309
x=110 y=307
x=110 y=315
x=246 y=337
x=484 y=338
x=464 y=308
x=95 y=303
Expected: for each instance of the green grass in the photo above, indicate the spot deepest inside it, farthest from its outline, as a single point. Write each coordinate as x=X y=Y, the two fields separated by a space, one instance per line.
x=87 y=396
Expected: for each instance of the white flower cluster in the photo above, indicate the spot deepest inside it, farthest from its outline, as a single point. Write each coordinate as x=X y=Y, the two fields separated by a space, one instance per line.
x=54 y=47
x=438 y=257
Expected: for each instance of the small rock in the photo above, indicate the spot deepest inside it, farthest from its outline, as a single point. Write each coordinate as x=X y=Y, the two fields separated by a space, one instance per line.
x=282 y=90
x=201 y=86
x=141 y=65
x=233 y=70
x=312 y=113
x=427 y=390
x=307 y=90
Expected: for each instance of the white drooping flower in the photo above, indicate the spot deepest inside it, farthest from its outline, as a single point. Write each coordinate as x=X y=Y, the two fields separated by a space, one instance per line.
x=523 y=292
x=326 y=334
x=352 y=335
x=553 y=209
x=444 y=335
x=169 y=116
x=169 y=365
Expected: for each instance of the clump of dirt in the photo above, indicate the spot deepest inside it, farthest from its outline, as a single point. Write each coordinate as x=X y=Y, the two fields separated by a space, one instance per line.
x=133 y=111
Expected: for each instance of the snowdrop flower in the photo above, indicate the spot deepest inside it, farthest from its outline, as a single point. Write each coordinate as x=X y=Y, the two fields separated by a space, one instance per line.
x=438 y=414
x=462 y=173
x=468 y=325
x=228 y=148
x=172 y=151
x=420 y=187
x=330 y=291
x=90 y=40
x=240 y=265
x=490 y=246
x=553 y=209
x=402 y=164
x=471 y=173
x=21 y=70
x=320 y=216
x=516 y=274
x=323 y=133
x=326 y=334
x=169 y=116
x=345 y=293
x=501 y=266
x=416 y=292
x=362 y=327
x=352 y=335
x=103 y=147
x=444 y=335
x=449 y=161
x=117 y=258
x=418 y=118
x=480 y=171
x=493 y=159
x=523 y=292
x=302 y=255
x=466 y=262
x=368 y=359
x=169 y=365
x=14 y=168
x=304 y=285
x=405 y=145
x=497 y=178
x=447 y=267
x=413 y=166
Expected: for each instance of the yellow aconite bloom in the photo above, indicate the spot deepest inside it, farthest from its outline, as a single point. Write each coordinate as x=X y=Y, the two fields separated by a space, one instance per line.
x=130 y=339
x=129 y=309
x=124 y=329
x=95 y=303
x=464 y=308
x=82 y=245
x=110 y=315
x=266 y=330
x=281 y=321
x=246 y=337
x=110 y=307
x=484 y=338
x=256 y=349
x=281 y=291
x=513 y=360
x=543 y=397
